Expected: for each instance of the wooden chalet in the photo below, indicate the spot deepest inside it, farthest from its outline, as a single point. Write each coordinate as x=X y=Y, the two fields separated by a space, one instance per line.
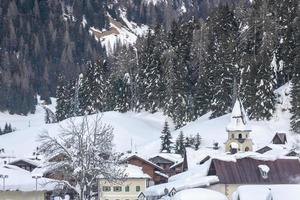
x=279 y=138
x=170 y=163
x=24 y=163
x=148 y=167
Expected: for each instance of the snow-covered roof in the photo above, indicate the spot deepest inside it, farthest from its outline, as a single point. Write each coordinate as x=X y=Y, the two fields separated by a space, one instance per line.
x=21 y=180
x=175 y=158
x=276 y=150
x=140 y=157
x=238 y=120
x=161 y=174
x=132 y=171
x=181 y=184
x=27 y=160
x=199 y=194
x=195 y=157
x=266 y=192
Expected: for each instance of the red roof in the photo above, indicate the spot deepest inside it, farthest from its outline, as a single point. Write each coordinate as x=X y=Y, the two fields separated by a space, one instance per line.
x=246 y=171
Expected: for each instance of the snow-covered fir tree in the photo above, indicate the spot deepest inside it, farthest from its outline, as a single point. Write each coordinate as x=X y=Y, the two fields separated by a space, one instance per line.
x=179 y=145
x=166 y=139
x=295 y=91
x=222 y=59
x=61 y=110
x=150 y=80
x=197 y=141
x=262 y=104
x=94 y=88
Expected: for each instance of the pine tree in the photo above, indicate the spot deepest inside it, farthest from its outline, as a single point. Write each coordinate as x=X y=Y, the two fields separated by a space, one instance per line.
x=150 y=80
x=187 y=142
x=202 y=89
x=178 y=102
x=197 y=141
x=295 y=91
x=6 y=129
x=122 y=93
x=285 y=13
x=222 y=59
x=94 y=88
x=61 y=110
x=179 y=145
x=9 y=129
x=166 y=138
x=263 y=104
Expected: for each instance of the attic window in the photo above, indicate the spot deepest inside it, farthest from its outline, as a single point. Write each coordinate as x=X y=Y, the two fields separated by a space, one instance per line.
x=264 y=170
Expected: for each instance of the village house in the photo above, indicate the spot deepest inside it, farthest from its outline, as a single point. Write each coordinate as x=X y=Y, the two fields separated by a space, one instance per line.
x=252 y=170
x=278 y=147
x=279 y=138
x=148 y=167
x=26 y=163
x=131 y=188
x=170 y=163
x=19 y=184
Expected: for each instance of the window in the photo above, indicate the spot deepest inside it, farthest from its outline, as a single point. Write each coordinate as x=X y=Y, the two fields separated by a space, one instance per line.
x=240 y=136
x=117 y=189
x=232 y=136
x=247 y=149
x=106 y=189
x=138 y=188
x=127 y=188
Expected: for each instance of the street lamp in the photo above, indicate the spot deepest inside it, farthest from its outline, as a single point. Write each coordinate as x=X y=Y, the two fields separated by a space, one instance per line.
x=36 y=177
x=3 y=178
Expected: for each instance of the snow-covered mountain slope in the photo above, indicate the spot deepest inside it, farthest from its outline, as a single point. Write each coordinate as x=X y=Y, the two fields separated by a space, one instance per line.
x=120 y=33
x=140 y=132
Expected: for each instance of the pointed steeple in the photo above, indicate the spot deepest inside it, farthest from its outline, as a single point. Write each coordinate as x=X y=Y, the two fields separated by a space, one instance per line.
x=238 y=120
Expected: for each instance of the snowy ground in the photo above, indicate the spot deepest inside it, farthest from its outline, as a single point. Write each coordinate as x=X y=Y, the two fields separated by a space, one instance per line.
x=140 y=132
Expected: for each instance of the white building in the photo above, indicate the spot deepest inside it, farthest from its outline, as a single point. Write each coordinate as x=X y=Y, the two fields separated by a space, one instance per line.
x=135 y=183
x=19 y=184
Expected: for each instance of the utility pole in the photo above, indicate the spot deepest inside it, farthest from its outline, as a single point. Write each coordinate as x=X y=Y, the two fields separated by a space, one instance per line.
x=3 y=178
x=36 y=177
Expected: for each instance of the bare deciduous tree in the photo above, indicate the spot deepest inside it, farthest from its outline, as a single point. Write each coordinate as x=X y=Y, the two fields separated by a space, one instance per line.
x=87 y=148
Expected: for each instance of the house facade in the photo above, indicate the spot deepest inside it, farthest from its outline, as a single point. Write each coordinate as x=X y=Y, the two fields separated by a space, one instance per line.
x=130 y=189
x=135 y=183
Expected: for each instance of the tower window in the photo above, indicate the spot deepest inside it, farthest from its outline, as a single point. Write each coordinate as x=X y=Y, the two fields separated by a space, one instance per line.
x=247 y=149
x=232 y=136
x=240 y=136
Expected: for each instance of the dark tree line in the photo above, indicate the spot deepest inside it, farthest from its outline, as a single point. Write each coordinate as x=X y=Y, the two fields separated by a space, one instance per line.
x=200 y=66
x=7 y=129
x=38 y=41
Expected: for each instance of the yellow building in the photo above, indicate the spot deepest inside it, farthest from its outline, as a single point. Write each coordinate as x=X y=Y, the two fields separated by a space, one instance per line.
x=135 y=183
x=238 y=131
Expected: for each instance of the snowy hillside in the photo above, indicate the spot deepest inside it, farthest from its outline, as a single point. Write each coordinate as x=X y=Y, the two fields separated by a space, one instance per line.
x=124 y=34
x=141 y=131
